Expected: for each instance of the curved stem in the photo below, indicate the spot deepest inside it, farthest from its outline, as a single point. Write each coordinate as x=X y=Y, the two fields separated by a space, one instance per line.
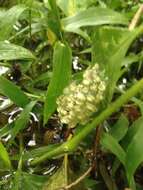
x=72 y=144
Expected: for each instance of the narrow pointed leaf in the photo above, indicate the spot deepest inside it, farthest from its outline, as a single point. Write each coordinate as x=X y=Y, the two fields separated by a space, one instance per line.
x=93 y=17
x=12 y=52
x=8 y=19
x=4 y=157
x=13 y=92
x=60 y=77
x=114 y=64
x=134 y=155
x=119 y=130
x=112 y=144
x=22 y=121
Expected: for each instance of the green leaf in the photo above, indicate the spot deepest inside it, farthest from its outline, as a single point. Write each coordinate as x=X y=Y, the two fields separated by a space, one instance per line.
x=22 y=120
x=119 y=130
x=8 y=19
x=10 y=51
x=113 y=70
x=105 y=41
x=60 y=77
x=62 y=177
x=134 y=153
x=131 y=132
x=58 y=180
x=26 y=181
x=139 y=104
x=13 y=92
x=93 y=17
x=4 y=157
x=6 y=129
x=67 y=6
x=110 y=143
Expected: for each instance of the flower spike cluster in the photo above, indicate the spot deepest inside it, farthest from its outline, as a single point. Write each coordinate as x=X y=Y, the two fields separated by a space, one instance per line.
x=79 y=101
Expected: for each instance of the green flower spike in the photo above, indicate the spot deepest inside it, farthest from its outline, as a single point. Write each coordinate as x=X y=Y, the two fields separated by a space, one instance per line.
x=79 y=101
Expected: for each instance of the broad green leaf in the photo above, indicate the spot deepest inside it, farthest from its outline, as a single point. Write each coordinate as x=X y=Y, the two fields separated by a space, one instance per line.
x=54 y=22
x=4 y=157
x=93 y=17
x=105 y=40
x=110 y=143
x=134 y=153
x=8 y=19
x=22 y=120
x=120 y=128
x=10 y=51
x=114 y=64
x=13 y=92
x=60 y=77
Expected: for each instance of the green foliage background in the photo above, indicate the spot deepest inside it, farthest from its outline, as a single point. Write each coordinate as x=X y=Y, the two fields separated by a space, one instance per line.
x=39 y=42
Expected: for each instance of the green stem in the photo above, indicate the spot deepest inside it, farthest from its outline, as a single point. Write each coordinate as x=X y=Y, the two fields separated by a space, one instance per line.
x=72 y=144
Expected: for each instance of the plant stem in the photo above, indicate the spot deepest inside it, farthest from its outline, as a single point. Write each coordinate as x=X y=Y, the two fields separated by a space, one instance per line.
x=72 y=144
x=136 y=18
